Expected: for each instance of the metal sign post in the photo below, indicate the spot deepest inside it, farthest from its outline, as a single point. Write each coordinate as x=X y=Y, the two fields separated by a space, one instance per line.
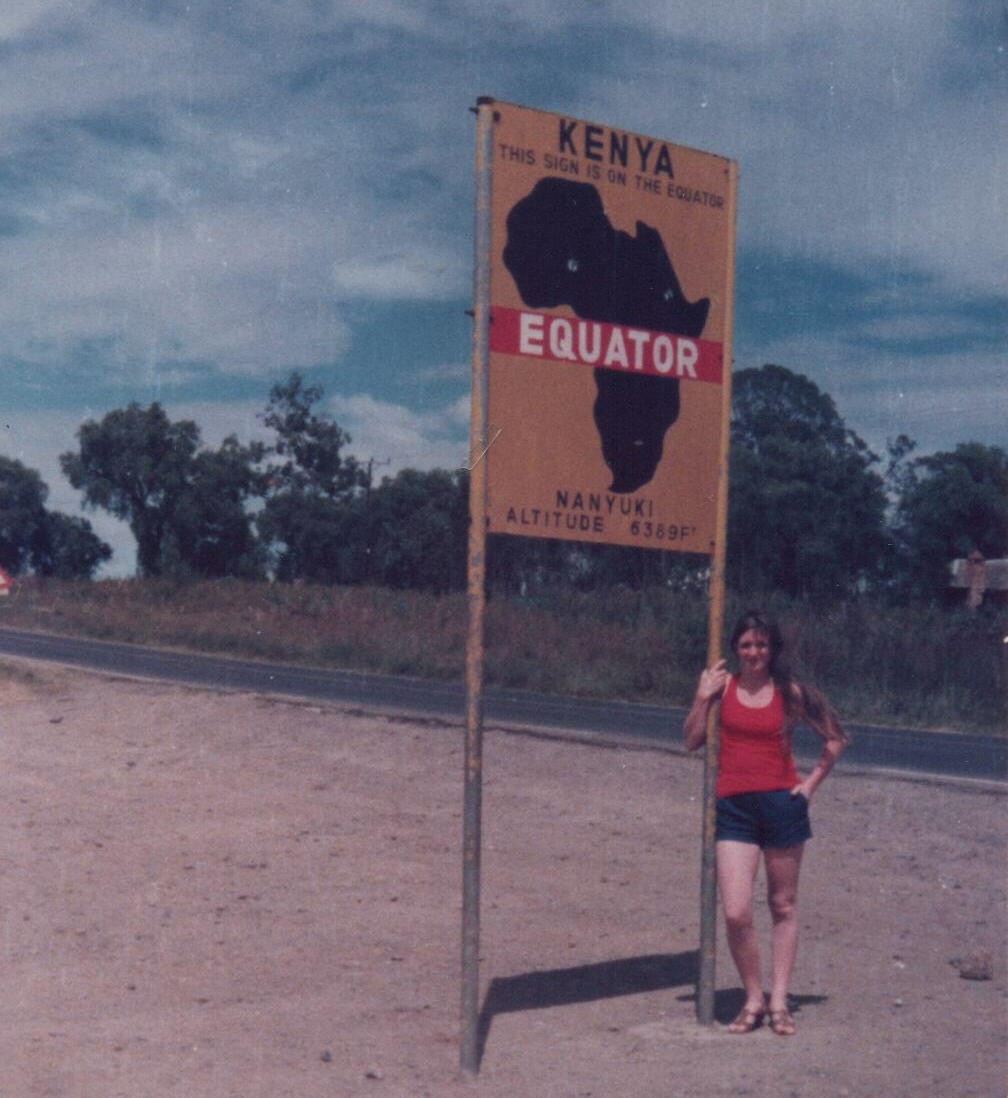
x=715 y=625
x=473 y=800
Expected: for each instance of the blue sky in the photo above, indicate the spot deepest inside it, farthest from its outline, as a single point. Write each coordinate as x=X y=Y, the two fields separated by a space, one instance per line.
x=197 y=197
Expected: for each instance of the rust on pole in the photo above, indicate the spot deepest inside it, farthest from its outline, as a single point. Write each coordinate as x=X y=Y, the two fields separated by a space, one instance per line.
x=715 y=627
x=478 y=445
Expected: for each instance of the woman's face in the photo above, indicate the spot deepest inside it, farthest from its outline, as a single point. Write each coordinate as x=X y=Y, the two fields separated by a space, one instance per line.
x=753 y=651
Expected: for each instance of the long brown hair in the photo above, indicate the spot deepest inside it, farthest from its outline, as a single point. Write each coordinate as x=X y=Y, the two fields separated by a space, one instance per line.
x=799 y=700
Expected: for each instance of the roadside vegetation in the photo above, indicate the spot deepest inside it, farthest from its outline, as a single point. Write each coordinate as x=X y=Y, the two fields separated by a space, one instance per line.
x=920 y=665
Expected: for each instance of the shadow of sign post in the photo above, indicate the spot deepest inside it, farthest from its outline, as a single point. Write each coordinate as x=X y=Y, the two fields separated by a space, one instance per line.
x=584 y=984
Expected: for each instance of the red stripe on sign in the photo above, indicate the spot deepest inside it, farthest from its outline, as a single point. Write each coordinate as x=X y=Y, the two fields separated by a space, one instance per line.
x=608 y=346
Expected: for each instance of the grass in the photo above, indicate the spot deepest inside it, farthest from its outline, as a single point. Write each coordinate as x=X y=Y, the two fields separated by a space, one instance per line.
x=920 y=666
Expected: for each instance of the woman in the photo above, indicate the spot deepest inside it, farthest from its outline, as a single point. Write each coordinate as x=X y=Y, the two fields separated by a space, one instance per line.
x=761 y=802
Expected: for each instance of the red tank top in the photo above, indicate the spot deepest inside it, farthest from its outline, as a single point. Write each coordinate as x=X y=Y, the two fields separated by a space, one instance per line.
x=755 y=755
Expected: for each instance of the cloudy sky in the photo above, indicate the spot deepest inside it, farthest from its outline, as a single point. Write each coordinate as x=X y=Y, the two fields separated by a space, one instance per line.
x=196 y=198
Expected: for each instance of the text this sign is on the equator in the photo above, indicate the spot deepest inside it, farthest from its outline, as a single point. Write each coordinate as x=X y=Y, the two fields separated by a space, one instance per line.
x=610 y=287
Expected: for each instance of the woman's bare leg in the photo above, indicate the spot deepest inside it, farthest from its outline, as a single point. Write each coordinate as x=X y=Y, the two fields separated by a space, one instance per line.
x=737 y=864
x=782 y=866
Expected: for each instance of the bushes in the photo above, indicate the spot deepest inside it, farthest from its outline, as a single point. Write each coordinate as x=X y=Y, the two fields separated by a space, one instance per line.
x=920 y=666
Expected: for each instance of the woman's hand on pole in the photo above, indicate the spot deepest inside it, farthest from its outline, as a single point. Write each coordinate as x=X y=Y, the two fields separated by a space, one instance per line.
x=712 y=683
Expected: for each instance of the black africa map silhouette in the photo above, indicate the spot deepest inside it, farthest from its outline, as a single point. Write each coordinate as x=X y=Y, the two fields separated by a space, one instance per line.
x=562 y=250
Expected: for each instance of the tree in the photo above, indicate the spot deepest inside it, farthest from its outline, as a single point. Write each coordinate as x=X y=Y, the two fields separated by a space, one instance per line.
x=953 y=503
x=134 y=463
x=70 y=548
x=806 y=507
x=773 y=401
x=310 y=537
x=520 y=565
x=49 y=542
x=22 y=514
x=307 y=520
x=211 y=531
x=186 y=509
x=310 y=443
x=898 y=475
x=417 y=524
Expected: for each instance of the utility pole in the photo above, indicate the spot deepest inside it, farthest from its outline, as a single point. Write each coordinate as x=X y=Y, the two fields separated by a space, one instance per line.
x=372 y=462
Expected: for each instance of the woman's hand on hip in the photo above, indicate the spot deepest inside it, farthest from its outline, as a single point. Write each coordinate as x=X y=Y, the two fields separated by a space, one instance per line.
x=803 y=789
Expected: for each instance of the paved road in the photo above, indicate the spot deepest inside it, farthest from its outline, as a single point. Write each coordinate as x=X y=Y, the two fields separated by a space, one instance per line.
x=950 y=753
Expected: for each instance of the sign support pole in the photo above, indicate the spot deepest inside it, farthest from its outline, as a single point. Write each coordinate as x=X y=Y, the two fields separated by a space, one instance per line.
x=473 y=797
x=715 y=627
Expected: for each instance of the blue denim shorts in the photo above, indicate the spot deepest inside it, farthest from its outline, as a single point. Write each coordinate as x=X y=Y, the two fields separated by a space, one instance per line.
x=776 y=818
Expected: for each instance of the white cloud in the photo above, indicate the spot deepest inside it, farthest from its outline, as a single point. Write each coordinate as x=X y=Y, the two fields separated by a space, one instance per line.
x=212 y=290
x=446 y=371
x=250 y=225
x=17 y=17
x=388 y=14
x=931 y=398
x=392 y=433
x=404 y=277
x=770 y=25
x=217 y=419
x=383 y=430
x=222 y=189
x=852 y=139
x=919 y=328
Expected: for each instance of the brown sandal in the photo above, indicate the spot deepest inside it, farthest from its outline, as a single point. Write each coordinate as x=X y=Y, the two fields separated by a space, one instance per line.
x=746 y=1020
x=782 y=1023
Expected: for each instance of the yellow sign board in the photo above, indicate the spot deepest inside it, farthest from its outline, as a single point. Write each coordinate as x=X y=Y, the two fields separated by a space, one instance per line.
x=610 y=295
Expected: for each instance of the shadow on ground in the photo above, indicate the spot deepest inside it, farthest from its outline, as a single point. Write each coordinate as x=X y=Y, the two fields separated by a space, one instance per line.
x=583 y=984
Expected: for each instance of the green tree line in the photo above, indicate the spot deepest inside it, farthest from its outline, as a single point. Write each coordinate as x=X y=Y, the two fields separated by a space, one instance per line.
x=48 y=543
x=813 y=512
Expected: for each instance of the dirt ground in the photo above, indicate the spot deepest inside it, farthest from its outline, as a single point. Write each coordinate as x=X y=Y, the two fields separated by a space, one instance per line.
x=217 y=895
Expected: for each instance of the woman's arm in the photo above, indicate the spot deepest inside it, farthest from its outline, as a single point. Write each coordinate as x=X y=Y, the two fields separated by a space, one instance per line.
x=812 y=708
x=712 y=683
